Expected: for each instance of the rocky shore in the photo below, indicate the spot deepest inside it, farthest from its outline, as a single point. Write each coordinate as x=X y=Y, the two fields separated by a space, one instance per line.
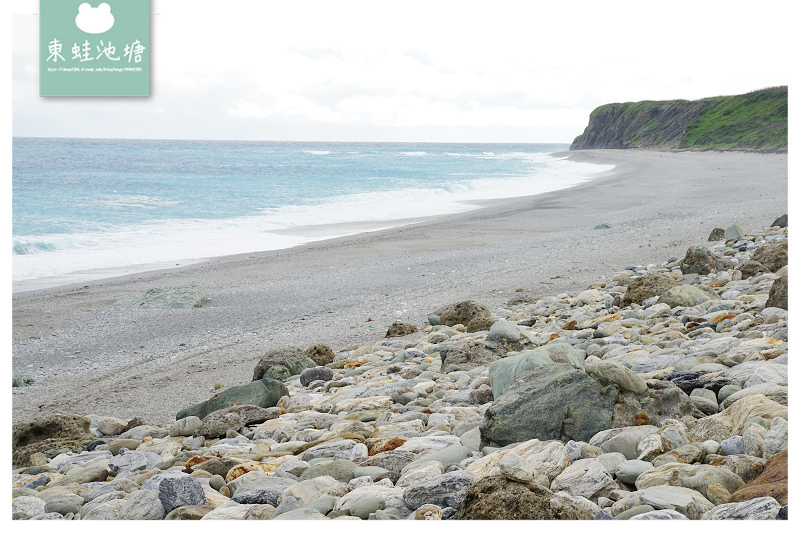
x=657 y=392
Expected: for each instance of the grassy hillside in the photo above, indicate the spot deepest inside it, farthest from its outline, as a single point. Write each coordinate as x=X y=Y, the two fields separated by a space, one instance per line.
x=757 y=121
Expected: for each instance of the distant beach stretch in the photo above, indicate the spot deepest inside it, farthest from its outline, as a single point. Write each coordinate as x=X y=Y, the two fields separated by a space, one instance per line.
x=122 y=206
x=380 y=423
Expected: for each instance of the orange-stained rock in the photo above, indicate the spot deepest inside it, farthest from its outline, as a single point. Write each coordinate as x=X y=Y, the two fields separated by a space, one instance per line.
x=269 y=467
x=386 y=444
x=197 y=459
x=773 y=481
x=720 y=318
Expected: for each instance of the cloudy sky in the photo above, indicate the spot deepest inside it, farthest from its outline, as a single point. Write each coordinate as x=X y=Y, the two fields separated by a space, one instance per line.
x=434 y=70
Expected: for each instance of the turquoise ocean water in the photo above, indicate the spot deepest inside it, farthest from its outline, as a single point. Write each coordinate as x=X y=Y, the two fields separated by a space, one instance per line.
x=86 y=204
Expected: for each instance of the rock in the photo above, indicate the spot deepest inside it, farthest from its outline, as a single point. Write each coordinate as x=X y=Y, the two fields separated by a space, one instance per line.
x=189 y=512
x=662 y=401
x=661 y=514
x=627 y=441
x=553 y=402
x=321 y=354
x=219 y=422
x=309 y=490
x=321 y=373
x=68 y=503
x=751 y=268
x=618 y=374
x=445 y=490
x=548 y=458
x=735 y=417
x=496 y=498
x=185 y=427
x=401 y=329
x=698 y=260
x=176 y=297
x=469 y=313
x=772 y=482
x=466 y=355
x=781 y=222
x=503 y=372
x=26 y=507
x=777 y=438
x=136 y=461
x=717 y=234
x=686 y=296
x=773 y=255
x=746 y=467
x=734 y=232
x=585 y=477
x=339 y=469
x=647 y=286
x=629 y=470
x=363 y=507
x=428 y=512
x=779 y=293
x=764 y=508
x=688 y=502
x=261 y=393
x=289 y=361
x=108 y=425
x=48 y=432
x=176 y=489
x=143 y=505
x=301 y=513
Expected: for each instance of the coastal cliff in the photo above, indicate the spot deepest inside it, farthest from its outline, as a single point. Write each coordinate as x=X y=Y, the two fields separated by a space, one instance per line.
x=756 y=121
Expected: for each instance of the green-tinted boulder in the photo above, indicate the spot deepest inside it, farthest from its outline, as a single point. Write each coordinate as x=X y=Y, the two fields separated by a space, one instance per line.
x=552 y=402
x=618 y=374
x=262 y=393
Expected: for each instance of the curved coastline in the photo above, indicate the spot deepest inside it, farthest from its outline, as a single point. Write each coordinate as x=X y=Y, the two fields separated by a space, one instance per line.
x=347 y=290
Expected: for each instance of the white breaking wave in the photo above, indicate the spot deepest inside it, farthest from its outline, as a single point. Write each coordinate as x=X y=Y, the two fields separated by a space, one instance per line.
x=180 y=239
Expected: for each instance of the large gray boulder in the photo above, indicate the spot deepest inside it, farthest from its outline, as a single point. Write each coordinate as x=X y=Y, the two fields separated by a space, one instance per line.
x=262 y=393
x=553 y=402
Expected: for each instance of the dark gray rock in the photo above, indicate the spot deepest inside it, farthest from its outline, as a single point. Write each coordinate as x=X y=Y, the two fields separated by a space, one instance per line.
x=779 y=293
x=688 y=380
x=698 y=260
x=262 y=393
x=551 y=402
x=310 y=375
x=268 y=495
x=781 y=222
x=444 y=490
x=176 y=489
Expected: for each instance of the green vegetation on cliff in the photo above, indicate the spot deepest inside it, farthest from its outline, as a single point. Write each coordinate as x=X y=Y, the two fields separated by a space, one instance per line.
x=756 y=121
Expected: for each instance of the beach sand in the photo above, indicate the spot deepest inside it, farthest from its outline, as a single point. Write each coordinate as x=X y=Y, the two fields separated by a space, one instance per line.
x=89 y=356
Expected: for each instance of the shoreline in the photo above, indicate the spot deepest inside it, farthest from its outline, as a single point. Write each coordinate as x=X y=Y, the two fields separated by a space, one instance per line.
x=151 y=363
x=288 y=238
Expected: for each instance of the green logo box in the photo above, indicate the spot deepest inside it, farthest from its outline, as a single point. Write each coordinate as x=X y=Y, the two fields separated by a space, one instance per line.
x=94 y=48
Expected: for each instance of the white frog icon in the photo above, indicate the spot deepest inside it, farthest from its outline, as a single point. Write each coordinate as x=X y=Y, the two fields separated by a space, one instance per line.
x=94 y=20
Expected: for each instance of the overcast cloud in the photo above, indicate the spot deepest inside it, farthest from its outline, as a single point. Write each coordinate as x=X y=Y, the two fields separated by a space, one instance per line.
x=514 y=71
